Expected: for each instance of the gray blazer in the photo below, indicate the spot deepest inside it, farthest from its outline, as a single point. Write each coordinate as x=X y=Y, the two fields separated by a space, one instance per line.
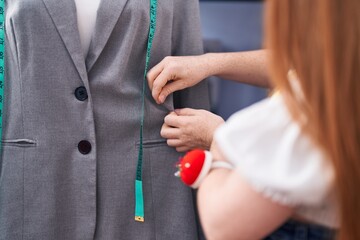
x=71 y=129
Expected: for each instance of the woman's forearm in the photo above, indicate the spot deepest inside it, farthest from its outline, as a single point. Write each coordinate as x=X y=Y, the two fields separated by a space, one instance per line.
x=245 y=67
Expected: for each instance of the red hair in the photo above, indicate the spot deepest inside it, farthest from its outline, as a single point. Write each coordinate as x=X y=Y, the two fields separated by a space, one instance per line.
x=320 y=39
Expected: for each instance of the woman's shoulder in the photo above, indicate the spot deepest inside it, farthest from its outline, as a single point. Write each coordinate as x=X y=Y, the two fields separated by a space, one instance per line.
x=263 y=124
x=274 y=155
x=271 y=110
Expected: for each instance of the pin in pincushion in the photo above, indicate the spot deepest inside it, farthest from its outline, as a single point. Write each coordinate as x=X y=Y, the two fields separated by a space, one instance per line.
x=194 y=166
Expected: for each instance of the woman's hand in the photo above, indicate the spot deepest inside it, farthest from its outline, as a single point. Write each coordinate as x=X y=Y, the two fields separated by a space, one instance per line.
x=187 y=129
x=176 y=73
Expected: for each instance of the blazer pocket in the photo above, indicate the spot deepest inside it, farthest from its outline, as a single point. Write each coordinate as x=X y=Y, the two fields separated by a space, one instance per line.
x=23 y=142
x=153 y=143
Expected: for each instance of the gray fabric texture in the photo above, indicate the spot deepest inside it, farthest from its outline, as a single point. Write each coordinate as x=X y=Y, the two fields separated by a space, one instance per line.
x=48 y=189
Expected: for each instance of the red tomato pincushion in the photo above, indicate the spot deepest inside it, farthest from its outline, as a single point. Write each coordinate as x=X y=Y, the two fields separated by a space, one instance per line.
x=193 y=167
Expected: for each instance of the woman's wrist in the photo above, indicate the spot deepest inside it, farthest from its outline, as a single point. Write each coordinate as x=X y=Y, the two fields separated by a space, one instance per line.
x=194 y=167
x=210 y=66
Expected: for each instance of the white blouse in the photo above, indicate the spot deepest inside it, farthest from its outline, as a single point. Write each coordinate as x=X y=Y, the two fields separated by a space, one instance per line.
x=273 y=155
x=86 y=17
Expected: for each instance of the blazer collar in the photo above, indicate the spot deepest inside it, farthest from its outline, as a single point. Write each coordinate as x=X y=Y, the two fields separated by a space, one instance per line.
x=108 y=15
x=63 y=14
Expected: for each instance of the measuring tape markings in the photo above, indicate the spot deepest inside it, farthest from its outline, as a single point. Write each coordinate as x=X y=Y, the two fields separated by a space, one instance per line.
x=2 y=64
x=139 y=196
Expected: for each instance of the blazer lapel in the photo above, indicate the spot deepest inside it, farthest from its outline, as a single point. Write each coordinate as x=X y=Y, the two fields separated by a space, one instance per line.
x=108 y=15
x=63 y=14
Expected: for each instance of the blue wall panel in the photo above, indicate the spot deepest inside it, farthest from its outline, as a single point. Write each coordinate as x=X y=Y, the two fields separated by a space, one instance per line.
x=232 y=26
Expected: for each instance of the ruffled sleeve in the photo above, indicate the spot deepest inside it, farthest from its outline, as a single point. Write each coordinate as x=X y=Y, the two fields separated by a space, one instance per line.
x=274 y=156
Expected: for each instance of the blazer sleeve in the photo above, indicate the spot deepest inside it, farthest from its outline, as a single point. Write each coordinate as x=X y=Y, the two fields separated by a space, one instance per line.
x=187 y=40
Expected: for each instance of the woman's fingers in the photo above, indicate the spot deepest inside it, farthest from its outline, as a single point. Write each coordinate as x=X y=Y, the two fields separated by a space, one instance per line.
x=174 y=74
x=159 y=84
x=154 y=73
x=169 y=88
x=169 y=132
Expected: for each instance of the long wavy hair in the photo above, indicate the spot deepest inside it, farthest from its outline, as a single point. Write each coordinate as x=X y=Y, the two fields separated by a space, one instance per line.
x=320 y=39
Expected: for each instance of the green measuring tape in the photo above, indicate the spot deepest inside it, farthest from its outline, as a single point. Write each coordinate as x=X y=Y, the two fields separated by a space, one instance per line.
x=139 y=196
x=2 y=63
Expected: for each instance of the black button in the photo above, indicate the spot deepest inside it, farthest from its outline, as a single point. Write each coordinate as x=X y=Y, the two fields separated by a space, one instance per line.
x=81 y=93
x=84 y=147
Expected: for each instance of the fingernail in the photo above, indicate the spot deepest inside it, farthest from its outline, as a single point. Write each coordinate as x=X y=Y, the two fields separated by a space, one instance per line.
x=161 y=98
